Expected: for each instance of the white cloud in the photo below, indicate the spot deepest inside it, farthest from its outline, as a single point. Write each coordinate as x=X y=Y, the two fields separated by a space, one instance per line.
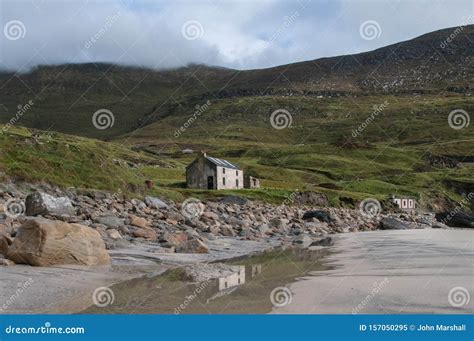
x=235 y=33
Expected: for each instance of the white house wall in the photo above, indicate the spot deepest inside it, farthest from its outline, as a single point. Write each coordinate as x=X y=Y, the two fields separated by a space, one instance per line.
x=230 y=175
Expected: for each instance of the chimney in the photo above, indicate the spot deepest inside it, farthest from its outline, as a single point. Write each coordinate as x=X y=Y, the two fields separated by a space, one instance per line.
x=203 y=153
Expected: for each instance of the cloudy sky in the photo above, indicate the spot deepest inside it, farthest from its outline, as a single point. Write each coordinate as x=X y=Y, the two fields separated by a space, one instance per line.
x=242 y=34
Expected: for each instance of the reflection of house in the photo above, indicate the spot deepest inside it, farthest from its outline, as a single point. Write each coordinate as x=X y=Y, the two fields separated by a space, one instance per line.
x=251 y=182
x=234 y=279
x=207 y=172
x=253 y=270
x=405 y=203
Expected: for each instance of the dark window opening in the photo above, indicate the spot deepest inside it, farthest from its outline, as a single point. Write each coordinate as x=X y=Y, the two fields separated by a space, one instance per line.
x=223 y=170
x=237 y=182
x=223 y=181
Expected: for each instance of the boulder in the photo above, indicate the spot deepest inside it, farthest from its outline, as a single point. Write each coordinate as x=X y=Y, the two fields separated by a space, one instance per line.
x=323 y=241
x=174 y=239
x=155 y=203
x=318 y=214
x=114 y=234
x=5 y=242
x=6 y=262
x=392 y=224
x=227 y=231
x=234 y=200
x=193 y=246
x=138 y=221
x=310 y=199
x=174 y=216
x=456 y=219
x=44 y=242
x=109 y=221
x=210 y=215
x=302 y=240
x=145 y=233
x=39 y=203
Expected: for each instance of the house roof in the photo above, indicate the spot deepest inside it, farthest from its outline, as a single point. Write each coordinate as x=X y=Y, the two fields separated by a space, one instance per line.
x=221 y=162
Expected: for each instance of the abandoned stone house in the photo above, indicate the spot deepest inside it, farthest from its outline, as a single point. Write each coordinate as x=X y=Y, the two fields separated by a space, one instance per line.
x=207 y=172
x=251 y=182
x=405 y=203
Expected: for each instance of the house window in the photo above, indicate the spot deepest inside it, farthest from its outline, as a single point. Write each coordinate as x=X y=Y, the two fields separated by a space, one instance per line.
x=223 y=170
x=223 y=181
x=237 y=173
x=237 y=183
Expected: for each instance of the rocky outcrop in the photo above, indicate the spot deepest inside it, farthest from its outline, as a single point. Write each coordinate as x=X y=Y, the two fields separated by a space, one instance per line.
x=456 y=219
x=44 y=242
x=193 y=246
x=392 y=224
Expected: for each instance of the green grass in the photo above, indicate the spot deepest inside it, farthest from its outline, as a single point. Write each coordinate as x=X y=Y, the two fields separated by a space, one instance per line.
x=317 y=153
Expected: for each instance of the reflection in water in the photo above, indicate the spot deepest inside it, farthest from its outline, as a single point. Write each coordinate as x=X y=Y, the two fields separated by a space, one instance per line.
x=241 y=285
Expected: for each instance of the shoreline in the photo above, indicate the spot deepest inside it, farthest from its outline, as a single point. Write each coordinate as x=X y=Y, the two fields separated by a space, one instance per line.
x=69 y=289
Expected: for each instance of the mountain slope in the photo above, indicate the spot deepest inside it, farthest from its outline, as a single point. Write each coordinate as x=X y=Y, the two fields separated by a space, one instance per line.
x=66 y=96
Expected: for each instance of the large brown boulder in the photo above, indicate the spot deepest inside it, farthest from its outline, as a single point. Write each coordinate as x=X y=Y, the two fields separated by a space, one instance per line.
x=44 y=242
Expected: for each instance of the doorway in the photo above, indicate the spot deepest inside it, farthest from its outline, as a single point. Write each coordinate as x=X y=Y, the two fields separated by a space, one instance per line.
x=210 y=182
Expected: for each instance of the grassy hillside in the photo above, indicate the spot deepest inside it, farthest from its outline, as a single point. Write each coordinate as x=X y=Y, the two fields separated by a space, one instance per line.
x=365 y=125
x=319 y=152
x=65 y=97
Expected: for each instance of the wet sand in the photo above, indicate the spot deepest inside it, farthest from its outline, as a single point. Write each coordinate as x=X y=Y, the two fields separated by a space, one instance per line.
x=393 y=272
x=68 y=289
